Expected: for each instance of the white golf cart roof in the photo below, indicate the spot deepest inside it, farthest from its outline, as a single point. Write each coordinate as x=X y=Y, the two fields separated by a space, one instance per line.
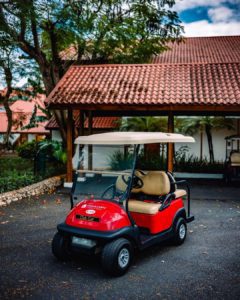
x=132 y=138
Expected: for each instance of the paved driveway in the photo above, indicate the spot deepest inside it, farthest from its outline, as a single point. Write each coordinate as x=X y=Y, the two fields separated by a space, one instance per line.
x=206 y=266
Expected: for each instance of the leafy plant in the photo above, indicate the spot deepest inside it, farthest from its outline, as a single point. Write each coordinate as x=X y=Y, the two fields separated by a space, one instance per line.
x=153 y=161
x=193 y=164
x=53 y=149
x=119 y=161
x=28 y=150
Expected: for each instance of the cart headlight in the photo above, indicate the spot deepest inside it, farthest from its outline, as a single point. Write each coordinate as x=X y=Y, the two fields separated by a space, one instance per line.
x=83 y=242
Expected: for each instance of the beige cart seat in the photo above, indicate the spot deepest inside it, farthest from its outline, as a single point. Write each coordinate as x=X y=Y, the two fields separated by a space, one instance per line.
x=235 y=159
x=155 y=183
x=180 y=193
x=143 y=207
x=121 y=184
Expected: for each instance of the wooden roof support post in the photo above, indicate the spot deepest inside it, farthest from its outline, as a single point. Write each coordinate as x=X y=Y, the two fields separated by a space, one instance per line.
x=170 y=148
x=82 y=120
x=69 y=145
x=90 y=148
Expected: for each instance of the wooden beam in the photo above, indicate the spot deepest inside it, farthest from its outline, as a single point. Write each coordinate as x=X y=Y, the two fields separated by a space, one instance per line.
x=69 y=145
x=154 y=109
x=170 y=148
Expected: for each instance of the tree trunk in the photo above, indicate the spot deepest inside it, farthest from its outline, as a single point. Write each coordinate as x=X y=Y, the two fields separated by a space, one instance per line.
x=50 y=82
x=201 y=145
x=9 y=118
x=210 y=143
x=5 y=100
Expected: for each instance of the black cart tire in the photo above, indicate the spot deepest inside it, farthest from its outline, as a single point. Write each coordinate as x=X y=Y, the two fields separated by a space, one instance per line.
x=180 y=231
x=117 y=257
x=60 y=247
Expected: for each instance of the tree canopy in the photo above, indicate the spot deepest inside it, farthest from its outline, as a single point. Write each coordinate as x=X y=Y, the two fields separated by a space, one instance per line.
x=122 y=31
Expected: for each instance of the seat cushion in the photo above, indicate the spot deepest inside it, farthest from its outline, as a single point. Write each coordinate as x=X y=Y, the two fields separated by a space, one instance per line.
x=143 y=207
x=235 y=158
x=180 y=193
x=155 y=183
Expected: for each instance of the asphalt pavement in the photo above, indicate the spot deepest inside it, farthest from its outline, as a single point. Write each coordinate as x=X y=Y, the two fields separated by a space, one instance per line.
x=206 y=266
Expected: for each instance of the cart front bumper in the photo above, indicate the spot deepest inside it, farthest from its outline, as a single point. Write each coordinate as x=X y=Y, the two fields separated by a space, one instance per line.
x=99 y=236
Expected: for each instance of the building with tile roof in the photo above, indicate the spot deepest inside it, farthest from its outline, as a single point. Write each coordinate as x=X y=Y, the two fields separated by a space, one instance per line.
x=22 y=113
x=99 y=125
x=200 y=76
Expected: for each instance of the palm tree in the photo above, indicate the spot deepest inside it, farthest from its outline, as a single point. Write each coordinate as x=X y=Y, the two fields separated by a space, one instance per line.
x=146 y=124
x=205 y=124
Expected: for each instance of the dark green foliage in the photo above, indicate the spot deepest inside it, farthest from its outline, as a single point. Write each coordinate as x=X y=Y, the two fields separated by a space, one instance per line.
x=53 y=150
x=119 y=161
x=151 y=162
x=28 y=150
x=16 y=181
x=183 y=162
x=106 y=31
x=144 y=124
x=190 y=163
x=17 y=172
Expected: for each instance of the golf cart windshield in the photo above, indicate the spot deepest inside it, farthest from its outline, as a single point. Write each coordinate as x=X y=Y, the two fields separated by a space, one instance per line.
x=103 y=172
x=105 y=162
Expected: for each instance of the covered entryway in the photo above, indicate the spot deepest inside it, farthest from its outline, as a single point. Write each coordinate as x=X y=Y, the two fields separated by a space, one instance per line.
x=199 y=77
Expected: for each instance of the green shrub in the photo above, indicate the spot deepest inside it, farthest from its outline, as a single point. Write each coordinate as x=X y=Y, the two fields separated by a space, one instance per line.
x=16 y=181
x=119 y=161
x=17 y=172
x=53 y=150
x=28 y=150
x=151 y=162
x=193 y=164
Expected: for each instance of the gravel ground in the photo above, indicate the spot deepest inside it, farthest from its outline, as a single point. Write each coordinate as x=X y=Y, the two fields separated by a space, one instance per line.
x=206 y=266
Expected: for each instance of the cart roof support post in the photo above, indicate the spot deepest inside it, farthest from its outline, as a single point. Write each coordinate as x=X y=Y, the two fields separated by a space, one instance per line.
x=170 y=146
x=90 y=147
x=69 y=145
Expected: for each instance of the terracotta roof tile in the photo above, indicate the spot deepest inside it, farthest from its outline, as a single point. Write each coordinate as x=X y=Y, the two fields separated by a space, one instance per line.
x=98 y=123
x=219 y=49
x=17 y=129
x=22 y=112
x=156 y=84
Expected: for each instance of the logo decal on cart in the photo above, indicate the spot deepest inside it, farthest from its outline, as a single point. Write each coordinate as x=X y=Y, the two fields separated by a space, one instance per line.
x=90 y=211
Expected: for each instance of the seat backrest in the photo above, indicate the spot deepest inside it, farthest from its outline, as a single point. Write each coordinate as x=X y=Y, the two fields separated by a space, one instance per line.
x=121 y=184
x=155 y=183
x=235 y=158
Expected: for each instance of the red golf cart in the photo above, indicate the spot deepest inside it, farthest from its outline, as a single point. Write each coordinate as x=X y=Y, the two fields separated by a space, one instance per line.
x=117 y=208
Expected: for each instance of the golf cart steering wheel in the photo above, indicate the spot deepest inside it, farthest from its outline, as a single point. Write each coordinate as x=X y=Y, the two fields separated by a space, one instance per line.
x=137 y=181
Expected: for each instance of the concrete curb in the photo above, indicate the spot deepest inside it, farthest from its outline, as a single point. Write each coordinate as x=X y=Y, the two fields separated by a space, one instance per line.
x=46 y=186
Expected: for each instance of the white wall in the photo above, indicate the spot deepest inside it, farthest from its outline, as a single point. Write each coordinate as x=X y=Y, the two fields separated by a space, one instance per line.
x=13 y=137
x=56 y=135
x=101 y=156
x=31 y=137
x=219 y=144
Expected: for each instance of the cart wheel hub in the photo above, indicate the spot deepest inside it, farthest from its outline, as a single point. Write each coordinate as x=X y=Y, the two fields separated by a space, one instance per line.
x=123 y=258
x=182 y=231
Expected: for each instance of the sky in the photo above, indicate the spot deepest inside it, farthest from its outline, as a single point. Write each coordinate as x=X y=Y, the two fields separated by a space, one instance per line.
x=209 y=17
